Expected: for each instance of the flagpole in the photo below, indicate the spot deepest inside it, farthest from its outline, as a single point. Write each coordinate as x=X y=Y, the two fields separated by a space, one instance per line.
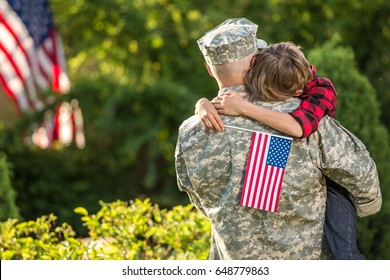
x=250 y=130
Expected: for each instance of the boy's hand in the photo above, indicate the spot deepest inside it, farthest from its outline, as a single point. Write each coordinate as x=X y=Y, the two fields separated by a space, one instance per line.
x=208 y=115
x=229 y=104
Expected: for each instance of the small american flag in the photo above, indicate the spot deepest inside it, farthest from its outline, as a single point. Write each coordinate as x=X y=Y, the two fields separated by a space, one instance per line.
x=265 y=170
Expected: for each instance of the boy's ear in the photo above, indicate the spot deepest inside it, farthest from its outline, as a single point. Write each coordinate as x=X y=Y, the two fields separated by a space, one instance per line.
x=253 y=60
x=298 y=92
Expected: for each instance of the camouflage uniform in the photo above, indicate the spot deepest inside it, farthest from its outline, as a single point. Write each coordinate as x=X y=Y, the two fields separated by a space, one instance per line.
x=210 y=167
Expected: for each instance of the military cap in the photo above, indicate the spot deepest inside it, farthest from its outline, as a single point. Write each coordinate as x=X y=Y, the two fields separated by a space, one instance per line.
x=232 y=40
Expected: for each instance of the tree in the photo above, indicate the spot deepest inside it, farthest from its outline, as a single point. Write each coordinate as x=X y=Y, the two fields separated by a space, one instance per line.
x=8 y=208
x=359 y=111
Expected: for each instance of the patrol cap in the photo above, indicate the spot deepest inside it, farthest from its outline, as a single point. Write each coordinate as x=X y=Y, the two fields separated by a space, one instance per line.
x=232 y=40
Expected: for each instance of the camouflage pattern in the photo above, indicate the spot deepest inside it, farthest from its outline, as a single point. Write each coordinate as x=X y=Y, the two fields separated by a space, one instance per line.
x=210 y=167
x=232 y=40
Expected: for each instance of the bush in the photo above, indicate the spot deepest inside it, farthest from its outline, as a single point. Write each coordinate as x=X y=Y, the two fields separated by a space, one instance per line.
x=39 y=240
x=135 y=230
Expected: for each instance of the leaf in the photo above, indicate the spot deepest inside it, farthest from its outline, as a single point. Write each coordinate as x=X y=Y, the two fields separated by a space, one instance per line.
x=81 y=211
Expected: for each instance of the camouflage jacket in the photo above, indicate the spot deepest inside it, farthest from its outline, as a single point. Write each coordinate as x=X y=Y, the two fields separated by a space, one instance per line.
x=210 y=167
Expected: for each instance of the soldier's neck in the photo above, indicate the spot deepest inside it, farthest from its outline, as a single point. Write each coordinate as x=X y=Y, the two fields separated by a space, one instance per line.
x=230 y=83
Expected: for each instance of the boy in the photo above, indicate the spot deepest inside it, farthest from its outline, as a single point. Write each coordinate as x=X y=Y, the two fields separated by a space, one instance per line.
x=318 y=99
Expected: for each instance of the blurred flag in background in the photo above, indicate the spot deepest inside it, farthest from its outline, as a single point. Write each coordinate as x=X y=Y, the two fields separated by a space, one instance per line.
x=32 y=63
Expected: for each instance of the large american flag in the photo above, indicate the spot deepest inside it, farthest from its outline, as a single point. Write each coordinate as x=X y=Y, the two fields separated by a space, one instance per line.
x=265 y=170
x=32 y=62
x=31 y=53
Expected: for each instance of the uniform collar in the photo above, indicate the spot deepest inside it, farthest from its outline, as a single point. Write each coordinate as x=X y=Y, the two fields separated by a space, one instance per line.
x=240 y=89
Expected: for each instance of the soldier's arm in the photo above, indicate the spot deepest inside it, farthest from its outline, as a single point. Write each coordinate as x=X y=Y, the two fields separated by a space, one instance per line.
x=345 y=160
x=183 y=181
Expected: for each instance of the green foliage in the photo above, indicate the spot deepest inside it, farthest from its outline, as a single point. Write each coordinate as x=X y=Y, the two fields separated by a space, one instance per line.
x=137 y=71
x=137 y=42
x=144 y=231
x=39 y=240
x=120 y=230
x=363 y=25
x=8 y=208
x=359 y=111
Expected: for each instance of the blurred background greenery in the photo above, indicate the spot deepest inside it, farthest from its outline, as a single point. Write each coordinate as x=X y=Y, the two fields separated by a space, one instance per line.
x=137 y=72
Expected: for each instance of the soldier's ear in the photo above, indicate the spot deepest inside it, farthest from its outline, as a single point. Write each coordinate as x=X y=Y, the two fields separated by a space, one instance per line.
x=209 y=70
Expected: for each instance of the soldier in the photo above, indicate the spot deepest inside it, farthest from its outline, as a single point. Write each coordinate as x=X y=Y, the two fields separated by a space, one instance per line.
x=274 y=73
x=210 y=166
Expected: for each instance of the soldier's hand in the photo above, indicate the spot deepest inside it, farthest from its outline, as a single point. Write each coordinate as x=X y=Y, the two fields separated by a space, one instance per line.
x=208 y=115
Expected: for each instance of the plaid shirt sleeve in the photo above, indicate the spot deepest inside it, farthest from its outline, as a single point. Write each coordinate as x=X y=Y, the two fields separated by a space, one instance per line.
x=318 y=100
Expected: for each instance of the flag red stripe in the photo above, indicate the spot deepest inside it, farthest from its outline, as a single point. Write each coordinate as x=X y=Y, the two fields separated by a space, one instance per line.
x=267 y=186
x=14 y=86
x=56 y=67
x=270 y=198
x=253 y=166
x=279 y=190
x=257 y=170
x=263 y=185
x=12 y=61
x=43 y=73
x=272 y=187
x=247 y=174
x=18 y=43
x=45 y=61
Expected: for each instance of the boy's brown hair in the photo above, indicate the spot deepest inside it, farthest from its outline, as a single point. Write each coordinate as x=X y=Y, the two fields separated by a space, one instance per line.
x=278 y=72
